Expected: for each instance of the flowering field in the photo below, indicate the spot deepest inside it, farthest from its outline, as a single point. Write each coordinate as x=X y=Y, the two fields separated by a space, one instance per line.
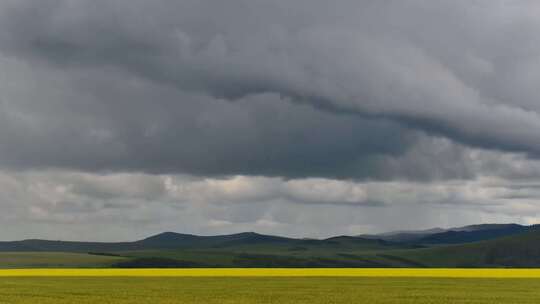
x=278 y=272
x=270 y=286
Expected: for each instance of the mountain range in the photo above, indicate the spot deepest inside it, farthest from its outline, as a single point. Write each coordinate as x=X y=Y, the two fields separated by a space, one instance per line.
x=486 y=245
x=465 y=234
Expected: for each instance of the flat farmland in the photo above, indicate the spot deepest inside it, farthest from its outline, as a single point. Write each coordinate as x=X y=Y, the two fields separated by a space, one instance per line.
x=199 y=286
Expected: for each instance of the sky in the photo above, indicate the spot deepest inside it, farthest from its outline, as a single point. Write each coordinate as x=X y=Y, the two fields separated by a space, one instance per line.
x=120 y=119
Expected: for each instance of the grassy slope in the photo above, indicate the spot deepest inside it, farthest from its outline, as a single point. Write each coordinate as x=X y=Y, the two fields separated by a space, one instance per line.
x=338 y=252
x=341 y=253
x=267 y=290
x=521 y=250
x=515 y=251
x=54 y=259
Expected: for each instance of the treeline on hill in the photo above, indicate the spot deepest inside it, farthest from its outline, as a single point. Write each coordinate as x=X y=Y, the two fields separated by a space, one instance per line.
x=489 y=245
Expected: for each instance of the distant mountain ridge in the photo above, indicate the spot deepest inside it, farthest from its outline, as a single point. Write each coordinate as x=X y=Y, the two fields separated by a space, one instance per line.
x=403 y=235
x=485 y=245
x=458 y=235
x=474 y=233
x=518 y=250
x=174 y=240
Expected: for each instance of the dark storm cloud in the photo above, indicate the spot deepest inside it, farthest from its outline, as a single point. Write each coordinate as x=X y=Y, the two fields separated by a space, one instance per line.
x=109 y=121
x=142 y=128
x=277 y=88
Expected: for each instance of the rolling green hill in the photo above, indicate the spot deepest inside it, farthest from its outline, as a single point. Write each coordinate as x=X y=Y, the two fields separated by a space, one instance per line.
x=458 y=235
x=522 y=250
x=171 y=240
x=256 y=250
x=56 y=260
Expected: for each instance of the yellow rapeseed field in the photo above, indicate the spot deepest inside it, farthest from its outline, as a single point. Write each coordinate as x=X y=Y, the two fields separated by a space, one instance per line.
x=264 y=287
x=277 y=272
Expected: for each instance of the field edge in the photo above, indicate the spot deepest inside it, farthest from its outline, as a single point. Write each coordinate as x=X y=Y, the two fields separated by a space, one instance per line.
x=276 y=272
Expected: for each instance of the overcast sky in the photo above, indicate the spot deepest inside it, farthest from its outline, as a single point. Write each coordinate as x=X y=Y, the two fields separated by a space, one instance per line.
x=310 y=118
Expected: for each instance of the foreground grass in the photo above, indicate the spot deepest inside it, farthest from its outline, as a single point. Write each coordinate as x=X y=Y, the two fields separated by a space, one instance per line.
x=283 y=290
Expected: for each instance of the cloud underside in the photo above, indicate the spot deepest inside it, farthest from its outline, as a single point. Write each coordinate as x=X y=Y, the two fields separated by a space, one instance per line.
x=264 y=87
x=154 y=110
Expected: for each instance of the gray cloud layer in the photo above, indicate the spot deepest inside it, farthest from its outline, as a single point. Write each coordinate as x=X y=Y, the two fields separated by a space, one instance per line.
x=149 y=81
x=278 y=116
x=75 y=205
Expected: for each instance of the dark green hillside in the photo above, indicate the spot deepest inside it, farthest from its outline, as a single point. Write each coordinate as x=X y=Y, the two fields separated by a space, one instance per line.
x=256 y=250
x=171 y=240
x=56 y=260
x=167 y=240
x=474 y=233
x=236 y=250
x=265 y=251
x=63 y=246
x=522 y=250
x=459 y=235
x=403 y=236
